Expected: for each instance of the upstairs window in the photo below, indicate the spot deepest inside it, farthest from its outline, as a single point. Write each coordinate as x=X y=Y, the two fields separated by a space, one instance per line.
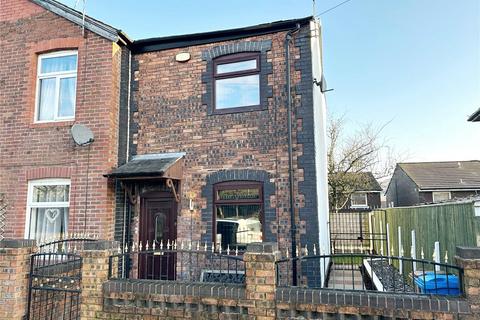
x=238 y=216
x=237 y=82
x=56 y=86
x=47 y=209
x=359 y=200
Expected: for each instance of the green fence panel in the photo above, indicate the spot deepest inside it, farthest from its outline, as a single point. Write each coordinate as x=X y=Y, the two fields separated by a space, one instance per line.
x=450 y=224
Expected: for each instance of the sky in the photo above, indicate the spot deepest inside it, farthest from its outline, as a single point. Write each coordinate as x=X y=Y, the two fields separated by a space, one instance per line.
x=414 y=64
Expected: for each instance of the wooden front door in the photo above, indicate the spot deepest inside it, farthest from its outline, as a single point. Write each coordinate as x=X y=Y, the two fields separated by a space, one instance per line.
x=157 y=223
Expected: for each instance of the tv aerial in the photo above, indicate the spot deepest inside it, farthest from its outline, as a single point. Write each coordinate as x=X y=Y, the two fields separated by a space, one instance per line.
x=82 y=135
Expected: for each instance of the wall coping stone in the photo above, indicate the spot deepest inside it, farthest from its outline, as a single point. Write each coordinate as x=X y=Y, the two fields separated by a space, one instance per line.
x=17 y=243
x=468 y=252
x=262 y=247
x=100 y=245
x=373 y=300
x=218 y=290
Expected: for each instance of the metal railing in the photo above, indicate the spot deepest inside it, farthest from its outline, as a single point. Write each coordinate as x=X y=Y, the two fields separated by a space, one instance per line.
x=68 y=243
x=370 y=272
x=184 y=261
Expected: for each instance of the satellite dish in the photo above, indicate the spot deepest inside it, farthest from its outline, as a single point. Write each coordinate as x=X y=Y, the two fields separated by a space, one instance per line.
x=81 y=134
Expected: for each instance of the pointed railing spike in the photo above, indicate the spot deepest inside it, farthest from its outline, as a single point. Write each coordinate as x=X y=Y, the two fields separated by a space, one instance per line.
x=220 y=249
x=161 y=244
x=168 y=244
x=125 y=249
x=213 y=247
x=190 y=245
x=297 y=251
x=306 y=250
x=153 y=245
x=236 y=251
x=205 y=247
x=228 y=249
x=174 y=245
x=287 y=254
x=119 y=250
x=198 y=245
x=422 y=254
x=182 y=245
x=147 y=246
x=446 y=256
x=314 y=249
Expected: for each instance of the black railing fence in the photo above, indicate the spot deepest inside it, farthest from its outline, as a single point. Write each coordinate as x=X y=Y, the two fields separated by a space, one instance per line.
x=178 y=261
x=370 y=272
x=68 y=243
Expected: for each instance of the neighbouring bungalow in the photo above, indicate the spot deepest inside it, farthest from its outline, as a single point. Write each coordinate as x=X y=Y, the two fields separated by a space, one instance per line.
x=433 y=182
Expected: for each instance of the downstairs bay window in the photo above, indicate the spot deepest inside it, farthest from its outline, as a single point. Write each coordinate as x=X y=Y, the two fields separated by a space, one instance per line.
x=47 y=209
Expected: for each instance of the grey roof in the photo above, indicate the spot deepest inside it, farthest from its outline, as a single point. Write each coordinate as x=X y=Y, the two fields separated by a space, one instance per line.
x=150 y=165
x=95 y=26
x=366 y=179
x=444 y=175
x=475 y=116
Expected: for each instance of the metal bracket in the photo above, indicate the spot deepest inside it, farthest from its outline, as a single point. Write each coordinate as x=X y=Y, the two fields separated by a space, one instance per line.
x=131 y=196
x=171 y=185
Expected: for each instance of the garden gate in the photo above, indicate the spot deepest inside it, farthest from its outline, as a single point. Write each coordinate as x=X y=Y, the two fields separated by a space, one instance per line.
x=352 y=231
x=54 y=286
x=55 y=279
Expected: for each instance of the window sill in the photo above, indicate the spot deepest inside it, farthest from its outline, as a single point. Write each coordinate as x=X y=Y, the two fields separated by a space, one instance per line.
x=238 y=110
x=52 y=124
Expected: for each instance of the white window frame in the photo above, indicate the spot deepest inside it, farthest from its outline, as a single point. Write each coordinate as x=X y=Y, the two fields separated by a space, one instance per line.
x=359 y=205
x=433 y=195
x=31 y=204
x=57 y=75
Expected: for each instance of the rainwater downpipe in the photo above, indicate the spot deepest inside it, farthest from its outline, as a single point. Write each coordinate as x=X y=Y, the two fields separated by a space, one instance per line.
x=293 y=226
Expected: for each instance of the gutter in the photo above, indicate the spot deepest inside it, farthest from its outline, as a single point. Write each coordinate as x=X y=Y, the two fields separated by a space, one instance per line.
x=293 y=225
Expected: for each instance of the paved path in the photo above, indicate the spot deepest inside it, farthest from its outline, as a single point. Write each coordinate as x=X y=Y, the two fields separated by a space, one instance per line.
x=343 y=277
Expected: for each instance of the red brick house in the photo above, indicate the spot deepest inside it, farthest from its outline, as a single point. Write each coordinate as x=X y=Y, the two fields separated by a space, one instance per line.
x=192 y=138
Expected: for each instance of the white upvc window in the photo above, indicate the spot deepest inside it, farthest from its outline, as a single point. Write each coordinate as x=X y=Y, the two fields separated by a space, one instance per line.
x=439 y=196
x=359 y=200
x=48 y=205
x=56 y=86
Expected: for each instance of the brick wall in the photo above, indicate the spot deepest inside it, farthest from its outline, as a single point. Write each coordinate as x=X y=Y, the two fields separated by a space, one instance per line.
x=259 y=298
x=34 y=151
x=171 y=112
x=14 y=271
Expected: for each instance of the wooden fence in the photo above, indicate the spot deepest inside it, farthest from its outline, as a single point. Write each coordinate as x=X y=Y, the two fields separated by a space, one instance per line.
x=449 y=225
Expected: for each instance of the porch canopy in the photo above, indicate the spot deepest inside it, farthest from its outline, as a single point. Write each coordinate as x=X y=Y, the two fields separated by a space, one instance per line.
x=150 y=166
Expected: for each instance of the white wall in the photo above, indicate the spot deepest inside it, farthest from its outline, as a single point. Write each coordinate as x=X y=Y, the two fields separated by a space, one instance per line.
x=320 y=134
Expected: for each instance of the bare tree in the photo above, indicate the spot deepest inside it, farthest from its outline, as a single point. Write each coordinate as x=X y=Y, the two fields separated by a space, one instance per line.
x=349 y=156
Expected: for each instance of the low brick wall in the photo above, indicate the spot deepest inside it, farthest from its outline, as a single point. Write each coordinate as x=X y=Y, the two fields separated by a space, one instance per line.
x=14 y=271
x=160 y=300
x=328 y=304
x=259 y=298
